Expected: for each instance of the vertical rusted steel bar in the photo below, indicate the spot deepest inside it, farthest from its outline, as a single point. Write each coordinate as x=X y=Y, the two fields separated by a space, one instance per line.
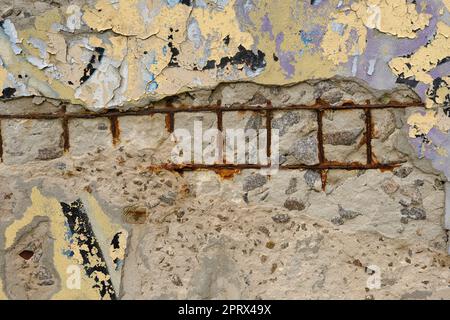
x=115 y=129
x=65 y=126
x=369 y=132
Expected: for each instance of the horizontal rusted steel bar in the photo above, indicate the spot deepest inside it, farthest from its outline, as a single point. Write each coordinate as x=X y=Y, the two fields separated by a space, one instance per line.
x=143 y=112
x=319 y=167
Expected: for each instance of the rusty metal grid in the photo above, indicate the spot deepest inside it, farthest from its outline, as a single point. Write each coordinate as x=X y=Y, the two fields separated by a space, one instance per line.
x=323 y=166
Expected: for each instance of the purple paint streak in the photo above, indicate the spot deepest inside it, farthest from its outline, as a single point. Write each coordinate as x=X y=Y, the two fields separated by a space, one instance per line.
x=286 y=58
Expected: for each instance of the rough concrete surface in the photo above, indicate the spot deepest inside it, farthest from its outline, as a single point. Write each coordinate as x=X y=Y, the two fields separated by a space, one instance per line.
x=94 y=95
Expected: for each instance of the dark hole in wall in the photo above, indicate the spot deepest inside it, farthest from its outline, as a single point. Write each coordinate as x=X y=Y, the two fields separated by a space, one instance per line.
x=26 y=254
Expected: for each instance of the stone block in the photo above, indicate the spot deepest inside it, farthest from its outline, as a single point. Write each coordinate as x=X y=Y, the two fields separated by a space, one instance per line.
x=29 y=140
x=339 y=92
x=89 y=135
x=143 y=132
x=247 y=124
x=29 y=106
x=286 y=189
x=186 y=121
x=297 y=132
x=344 y=136
x=387 y=128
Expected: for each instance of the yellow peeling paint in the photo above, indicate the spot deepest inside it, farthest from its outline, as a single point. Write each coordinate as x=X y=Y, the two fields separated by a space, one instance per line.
x=440 y=95
x=214 y=27
x=338 y=47
x=50 y=207
x=115 y=47
x=396 y=17
x=3 y=76
x=141 y=18
x=105 y=231
x=42 y=30
x=421 y=123
x=38 y=80
x=138 y=50
x=137 y=84
x=447 y=4
x=173 y=80
x=426 y=58
x=310 y=64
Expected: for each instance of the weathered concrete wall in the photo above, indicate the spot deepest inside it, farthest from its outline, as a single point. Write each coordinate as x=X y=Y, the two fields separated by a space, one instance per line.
x=91 y=196
x=104 y=54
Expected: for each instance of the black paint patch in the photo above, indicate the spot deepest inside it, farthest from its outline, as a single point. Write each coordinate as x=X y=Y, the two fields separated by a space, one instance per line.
x=90 y=68
x=210 y=64
x=423 y=137
x=186 y=2
x=442 y=61
x=175 y=52
x=101 y=52
x=432 y=93
x=408 y=81
x=78 y=221
x=8 y=93
x=226 y=40
x=244 y=56
x=115 y=243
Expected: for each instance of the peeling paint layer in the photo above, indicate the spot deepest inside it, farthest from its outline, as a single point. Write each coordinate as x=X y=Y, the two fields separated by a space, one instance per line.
x=81 y=236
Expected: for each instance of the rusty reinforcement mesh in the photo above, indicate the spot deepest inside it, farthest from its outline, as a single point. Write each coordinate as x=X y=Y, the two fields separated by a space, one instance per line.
x=323 y=165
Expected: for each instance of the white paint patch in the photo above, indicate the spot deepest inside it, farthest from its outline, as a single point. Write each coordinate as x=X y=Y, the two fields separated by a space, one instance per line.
x=355 y=66
x=74 y=19
x=40 y=45
x=374 y=17
x=39 y=63
x=371 y=68
x=11 y=32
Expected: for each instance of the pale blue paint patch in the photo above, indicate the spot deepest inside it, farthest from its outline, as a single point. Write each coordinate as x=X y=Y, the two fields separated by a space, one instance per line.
x=149 y=78
x=172 y=3
x=429 y=147
x=213 y=4
x=40 y=45
x=68 y=253
x=10 y=30
x=310 y=37
x=152 y=85
x=243 y=9
x=68 y=236
x=339 y=28
x=355 y=66
x=371 y=68
x=194 y=33
x=200 y=4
